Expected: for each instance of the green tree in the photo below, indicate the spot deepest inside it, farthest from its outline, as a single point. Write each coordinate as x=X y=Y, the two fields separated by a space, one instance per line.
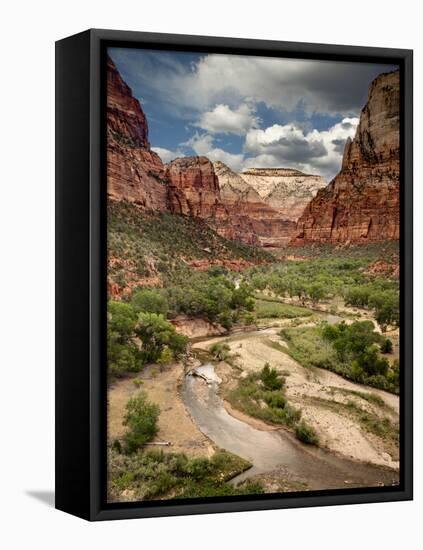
x=371 y=362
x=386 y=346
x=141 y=419
x=386 y=309
x=150 y=301
x=317 y=292
x=122 y=353
x=121 y=319
x=155 y=332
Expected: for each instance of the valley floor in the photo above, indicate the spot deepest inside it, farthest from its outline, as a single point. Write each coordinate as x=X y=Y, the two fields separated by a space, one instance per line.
x=332 y=405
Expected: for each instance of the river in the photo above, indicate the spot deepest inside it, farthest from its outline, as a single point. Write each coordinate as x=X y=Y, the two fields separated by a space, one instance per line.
x=271 y=450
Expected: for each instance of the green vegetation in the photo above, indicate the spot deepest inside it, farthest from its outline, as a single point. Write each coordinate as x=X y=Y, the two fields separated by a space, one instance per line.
x=270 y=378
x=372 y=423
x=134 y=339
x=260 y=395
x=141 y=420
x=159 y=244
x=306 y=434
x=160 y=341
x=267 y=308
x=156 y=475
x=349 y=350
x=386 y=346
x=211 y=296
x=326 y=277
x=220 y=351
x=150 y=300
x=384 y=301
x=122 y=352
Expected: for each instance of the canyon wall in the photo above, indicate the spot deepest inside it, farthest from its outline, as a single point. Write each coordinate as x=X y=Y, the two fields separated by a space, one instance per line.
x=286 y=189
x=361 y=204
x=134 y=172
x=272 y=228
x=194 y=191
x=189 y=186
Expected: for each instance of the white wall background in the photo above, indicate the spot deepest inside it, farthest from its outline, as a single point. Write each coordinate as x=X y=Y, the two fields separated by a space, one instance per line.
x=28 y=32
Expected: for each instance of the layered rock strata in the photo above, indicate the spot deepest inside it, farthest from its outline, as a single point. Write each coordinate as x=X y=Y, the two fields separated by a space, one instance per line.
x=134 y=172
x=287 y=190
x=362 y=203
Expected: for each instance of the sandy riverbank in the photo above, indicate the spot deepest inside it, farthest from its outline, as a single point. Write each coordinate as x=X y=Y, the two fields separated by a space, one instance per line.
x=175 y=424
x=320 y=395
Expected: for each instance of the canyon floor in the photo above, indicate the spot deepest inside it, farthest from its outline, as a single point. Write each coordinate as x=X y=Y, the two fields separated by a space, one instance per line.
x=323 y=397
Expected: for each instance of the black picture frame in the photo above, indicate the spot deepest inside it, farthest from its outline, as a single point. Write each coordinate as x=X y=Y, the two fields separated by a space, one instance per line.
x=81 y=274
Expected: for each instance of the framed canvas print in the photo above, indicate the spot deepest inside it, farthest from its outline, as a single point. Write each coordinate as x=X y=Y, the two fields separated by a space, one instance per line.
x=234 y=274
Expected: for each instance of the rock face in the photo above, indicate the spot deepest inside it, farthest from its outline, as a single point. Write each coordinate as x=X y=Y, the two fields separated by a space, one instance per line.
x=272 y=228
x=233 y=187
x=194 y=191
x=361 y=204
x=193 y=187
x=287 y=190
x=134 y=172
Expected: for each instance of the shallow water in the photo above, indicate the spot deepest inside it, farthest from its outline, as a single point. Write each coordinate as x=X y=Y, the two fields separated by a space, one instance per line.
x=271 y=450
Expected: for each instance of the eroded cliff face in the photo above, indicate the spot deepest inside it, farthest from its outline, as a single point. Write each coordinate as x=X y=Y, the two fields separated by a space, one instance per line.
x=287 y=190
x=271 y=227
x=361 y=204
x=134 y=172
x=194 y=191
x=193 y=187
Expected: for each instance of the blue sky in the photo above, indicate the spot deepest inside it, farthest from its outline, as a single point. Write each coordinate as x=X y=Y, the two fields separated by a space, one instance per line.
x=248 y=111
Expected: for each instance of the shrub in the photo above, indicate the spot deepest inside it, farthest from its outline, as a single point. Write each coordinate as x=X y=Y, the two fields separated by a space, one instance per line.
x=220 y=352
x=306 y=434
x=386 y=346
x=141 y=419
x=154 y=474
x=166 y=356
x=276 y=400
x=270 y=378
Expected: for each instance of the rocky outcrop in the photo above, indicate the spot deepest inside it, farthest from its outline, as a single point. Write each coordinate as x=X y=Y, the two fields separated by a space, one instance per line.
x=196 y=328
x=240 y=198
x=287 y=190
x=233 y=187
x=134 y=172
x=361 y=204
x=194 y=191
x=193 y=187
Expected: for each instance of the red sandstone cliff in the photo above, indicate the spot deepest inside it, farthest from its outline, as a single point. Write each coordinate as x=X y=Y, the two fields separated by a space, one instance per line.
x=361 y=204
x=134 y=172
x=194 y=191
x=190 y=186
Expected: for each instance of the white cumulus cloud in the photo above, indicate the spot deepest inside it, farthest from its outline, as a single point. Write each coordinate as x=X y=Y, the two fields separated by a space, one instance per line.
x=291 y=146
x=203 y=144
x=222 y=119
x=166 y=154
